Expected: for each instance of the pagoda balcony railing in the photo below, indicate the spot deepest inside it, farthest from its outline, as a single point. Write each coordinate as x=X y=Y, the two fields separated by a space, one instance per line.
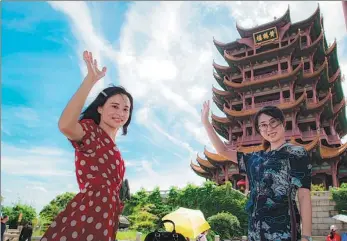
x=275 y=72
x=273 y=102
x=312 y=133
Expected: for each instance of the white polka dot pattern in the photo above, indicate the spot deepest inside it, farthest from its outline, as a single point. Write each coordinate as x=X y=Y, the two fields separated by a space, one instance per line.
x=93 y=213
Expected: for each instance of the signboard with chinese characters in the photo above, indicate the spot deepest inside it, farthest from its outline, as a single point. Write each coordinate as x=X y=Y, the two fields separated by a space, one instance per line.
x=265 y=36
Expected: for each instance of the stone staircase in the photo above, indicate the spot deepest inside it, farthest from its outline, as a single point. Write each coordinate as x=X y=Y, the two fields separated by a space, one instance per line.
x=323 y=209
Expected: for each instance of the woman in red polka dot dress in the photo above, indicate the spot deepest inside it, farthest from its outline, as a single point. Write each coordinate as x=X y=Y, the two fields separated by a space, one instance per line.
x=92 y=215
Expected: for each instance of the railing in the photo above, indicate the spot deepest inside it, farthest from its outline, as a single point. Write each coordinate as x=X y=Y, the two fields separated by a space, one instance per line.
x=273 y=102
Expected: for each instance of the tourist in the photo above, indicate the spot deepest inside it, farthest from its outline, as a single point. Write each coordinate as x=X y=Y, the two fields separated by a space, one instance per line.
x=202 y=236
x=4 y=220
x=275 y=175
x=26 y=233
x=93 y=213
x=333 y=236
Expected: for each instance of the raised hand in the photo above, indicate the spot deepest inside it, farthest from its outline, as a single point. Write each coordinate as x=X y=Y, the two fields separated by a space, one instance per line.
x=94 y=74
x=205 y=113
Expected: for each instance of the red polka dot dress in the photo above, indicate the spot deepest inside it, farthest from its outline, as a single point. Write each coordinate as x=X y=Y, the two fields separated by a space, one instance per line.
x=92 y=215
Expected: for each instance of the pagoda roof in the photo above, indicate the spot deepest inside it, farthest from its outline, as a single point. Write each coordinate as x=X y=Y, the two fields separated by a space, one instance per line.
x=277 y=52
x=322 y=71
x=333 y=78
x=248 y=32
x=198 y=170
x=222 y=93
x=224 y=46
x=309 y=146
x=219 y=80
x=331 y=152
x=307 y=22
x=337 y=108
x=246 y=85
x=307 y=50
x=320 y=104
x=223 y=70
x=331 y=48
x=250 y=149
x=204 y=163
x=250 y=112
x=214 y=157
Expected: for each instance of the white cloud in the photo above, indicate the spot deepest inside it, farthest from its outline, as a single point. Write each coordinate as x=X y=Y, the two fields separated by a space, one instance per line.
x=37 y=161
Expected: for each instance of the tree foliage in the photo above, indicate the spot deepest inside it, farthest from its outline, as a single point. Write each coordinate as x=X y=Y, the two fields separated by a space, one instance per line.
x=27 y=211
x=225 y=224
x=340 y=197
x=58 y=204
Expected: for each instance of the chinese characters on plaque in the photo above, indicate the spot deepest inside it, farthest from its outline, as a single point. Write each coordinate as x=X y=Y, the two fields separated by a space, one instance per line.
x=265 y=36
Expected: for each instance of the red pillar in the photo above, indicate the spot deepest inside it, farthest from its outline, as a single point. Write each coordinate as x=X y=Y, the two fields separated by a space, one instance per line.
x=344 y=6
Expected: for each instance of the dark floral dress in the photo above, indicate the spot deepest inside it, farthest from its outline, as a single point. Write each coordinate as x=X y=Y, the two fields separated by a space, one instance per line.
x=274 y=178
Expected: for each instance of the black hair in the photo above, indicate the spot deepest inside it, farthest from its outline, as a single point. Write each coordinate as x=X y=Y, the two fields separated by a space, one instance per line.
x=91 y=112
x=272 y=111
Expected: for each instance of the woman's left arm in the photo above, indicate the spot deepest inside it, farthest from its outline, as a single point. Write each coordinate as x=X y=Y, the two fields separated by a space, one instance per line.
x=301 y=172
x=304 y=196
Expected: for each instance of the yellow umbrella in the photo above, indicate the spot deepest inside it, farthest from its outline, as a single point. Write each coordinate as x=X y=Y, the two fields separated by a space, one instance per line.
x=188 y=222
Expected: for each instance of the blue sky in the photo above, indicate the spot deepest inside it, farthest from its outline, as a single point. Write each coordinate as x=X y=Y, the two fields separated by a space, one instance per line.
x=161 y=52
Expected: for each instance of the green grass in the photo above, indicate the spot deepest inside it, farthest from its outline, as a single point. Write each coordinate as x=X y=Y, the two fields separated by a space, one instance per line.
x=129 y=235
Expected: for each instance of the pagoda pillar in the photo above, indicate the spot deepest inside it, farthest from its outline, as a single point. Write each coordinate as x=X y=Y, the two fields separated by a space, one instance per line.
x=318 y=122
x=289 y=62
x=291 y=90
x=309 y=40
x=334 y=172
x=314 y=90
x=281 y=93
x=332 y=127
x=243 y=74
x=243 y=128
x=230 y=134
x=252 y=72
x=311 y=63
x=279 y=65
x=244 y=100
x=293 y=122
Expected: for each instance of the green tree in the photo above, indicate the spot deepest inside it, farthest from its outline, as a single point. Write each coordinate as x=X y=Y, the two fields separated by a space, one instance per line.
x=27 y=211
x=142 y=219
x=58 y=204
x=140 y=198
x=225 y=224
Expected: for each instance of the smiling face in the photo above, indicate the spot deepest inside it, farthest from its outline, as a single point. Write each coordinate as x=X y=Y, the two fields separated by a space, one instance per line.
x=116 y=111
x=270 y=128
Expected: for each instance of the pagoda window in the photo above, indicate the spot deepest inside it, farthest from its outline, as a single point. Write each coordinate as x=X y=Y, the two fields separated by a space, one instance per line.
x=248 y=131
x=307 y=66
x=284 y=66
x=240 y=55
x=327 y=130
x=288 y=125
x=268 y=47
x=251 y=52
x=286 y=94
x=248 y=74
x=264 y=72
x=303 y=41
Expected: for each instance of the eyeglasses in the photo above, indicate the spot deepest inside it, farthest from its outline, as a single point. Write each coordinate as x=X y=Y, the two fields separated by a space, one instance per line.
x=273 y=123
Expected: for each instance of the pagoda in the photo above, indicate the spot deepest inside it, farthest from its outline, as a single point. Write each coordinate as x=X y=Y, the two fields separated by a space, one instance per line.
x=291 y=66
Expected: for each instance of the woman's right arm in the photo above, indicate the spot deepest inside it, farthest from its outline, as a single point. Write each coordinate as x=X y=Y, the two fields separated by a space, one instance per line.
x=212 y=135
x=68 y=122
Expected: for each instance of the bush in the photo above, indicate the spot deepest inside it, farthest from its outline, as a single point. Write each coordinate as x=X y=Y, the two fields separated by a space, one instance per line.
x=317 y=188
x=340 y=197
x=225 y=225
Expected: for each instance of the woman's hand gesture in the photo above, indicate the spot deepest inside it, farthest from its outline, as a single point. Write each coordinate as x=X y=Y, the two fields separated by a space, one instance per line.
x=94 y=74
x=205 y=113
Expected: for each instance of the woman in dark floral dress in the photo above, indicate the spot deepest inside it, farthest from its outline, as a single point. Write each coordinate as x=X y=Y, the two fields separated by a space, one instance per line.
x=276 y=174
